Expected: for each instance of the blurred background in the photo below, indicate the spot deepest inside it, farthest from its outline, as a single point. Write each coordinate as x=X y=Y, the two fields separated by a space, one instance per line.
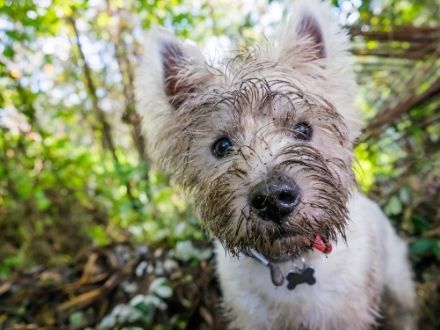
x=93 y=236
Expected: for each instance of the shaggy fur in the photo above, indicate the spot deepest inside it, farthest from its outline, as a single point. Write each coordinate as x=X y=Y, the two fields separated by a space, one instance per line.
x=256 y=101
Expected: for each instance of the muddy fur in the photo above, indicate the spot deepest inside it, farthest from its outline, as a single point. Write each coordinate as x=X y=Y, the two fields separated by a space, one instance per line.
x=275 y=102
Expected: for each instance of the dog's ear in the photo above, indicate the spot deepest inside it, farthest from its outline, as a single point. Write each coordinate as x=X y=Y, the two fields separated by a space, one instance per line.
x=312 y=34
x=168 y=77
x=307 y=31
x=172 y=69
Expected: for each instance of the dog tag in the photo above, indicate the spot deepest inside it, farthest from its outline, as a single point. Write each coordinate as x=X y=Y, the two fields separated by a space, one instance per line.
x=305 y=276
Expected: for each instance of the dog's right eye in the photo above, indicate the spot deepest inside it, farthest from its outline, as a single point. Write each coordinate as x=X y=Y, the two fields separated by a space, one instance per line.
x=303 y=131
x=222 y=147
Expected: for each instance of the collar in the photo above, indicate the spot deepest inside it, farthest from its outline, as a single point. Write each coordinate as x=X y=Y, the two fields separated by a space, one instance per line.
x=300 y=273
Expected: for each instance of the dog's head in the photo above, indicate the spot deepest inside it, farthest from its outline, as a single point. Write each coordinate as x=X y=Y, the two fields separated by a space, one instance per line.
x=264 y=144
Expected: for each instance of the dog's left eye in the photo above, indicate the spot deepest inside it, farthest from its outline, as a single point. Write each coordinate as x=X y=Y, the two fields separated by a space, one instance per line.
x=303 y=131
x=222 y=147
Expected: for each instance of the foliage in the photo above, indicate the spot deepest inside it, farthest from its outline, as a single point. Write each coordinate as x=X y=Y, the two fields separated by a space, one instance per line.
x=74 y=167
x=118 y=286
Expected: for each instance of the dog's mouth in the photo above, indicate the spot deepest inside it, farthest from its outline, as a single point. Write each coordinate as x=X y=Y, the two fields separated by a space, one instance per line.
x=309 y=226
x=282 y=249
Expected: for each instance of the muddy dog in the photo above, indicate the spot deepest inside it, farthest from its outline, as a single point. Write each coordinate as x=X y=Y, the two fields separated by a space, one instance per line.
x=264 y=145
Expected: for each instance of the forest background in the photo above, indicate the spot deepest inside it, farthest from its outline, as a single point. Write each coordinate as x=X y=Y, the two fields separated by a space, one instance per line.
x=93 y=236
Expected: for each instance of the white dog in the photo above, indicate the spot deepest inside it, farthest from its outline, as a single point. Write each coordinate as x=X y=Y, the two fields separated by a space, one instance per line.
x=264 y=147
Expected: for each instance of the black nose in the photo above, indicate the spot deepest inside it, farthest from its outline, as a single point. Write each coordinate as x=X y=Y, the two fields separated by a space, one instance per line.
x=275 y=198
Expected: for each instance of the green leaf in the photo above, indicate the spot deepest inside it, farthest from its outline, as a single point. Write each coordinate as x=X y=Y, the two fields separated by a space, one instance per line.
x=394 y=206
x=422 y=246
x=405 y=195
x=161 y=288
x=420 y=223
x=9 y=52
x=99 y=235
x=43 y=203
x=436 y=250
x=76 y=319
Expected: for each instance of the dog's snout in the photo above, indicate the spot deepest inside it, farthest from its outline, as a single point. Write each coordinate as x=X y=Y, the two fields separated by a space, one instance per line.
x=275 y=198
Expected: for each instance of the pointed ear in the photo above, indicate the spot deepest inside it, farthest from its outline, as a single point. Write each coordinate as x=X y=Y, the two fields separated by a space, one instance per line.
x=171 y=70
x=308 y=33
x=178 y=78
x=309 y=30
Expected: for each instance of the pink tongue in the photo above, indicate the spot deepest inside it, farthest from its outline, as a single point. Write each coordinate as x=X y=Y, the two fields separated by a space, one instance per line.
x=321 y=245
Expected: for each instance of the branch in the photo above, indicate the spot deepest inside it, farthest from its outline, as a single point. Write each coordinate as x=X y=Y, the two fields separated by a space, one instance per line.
x=414 y=52
x=105 y=126
x=400 y=33
x=91 y=89
x=412 y=42
x=390 y=115
x=130 y=116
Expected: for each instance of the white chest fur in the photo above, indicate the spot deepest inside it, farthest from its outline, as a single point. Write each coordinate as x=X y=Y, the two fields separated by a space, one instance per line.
x=349 y=282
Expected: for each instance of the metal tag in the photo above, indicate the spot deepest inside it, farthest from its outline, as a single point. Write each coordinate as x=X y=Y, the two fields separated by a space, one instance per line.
x=304 y=276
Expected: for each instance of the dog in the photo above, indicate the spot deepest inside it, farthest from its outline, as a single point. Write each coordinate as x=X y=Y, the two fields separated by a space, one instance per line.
x=264 y=145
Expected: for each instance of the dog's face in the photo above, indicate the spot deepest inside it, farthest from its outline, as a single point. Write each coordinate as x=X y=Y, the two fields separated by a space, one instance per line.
x=264 y=145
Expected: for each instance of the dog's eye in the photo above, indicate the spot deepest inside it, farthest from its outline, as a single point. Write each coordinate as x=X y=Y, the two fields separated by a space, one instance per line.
x=222 y=147
x=303 y=131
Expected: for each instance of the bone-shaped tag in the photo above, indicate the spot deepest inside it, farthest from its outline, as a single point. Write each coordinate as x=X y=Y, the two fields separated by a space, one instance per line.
x=305 y=276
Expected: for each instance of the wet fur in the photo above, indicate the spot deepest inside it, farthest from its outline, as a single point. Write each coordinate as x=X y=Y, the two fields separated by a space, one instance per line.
x=255 y=100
